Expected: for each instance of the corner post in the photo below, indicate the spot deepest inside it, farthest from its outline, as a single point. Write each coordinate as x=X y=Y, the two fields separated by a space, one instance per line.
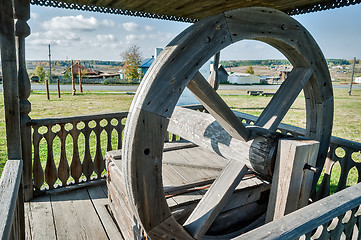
x=22 y=30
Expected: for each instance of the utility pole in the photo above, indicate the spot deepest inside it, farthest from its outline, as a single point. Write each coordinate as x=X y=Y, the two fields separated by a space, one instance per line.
x=49 y=65
x=353 y=71
x=49 y=79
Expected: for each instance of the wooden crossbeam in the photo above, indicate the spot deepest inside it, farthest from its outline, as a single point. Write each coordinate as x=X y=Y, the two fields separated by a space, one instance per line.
x=217 y=107
x=284 y=98
x=215 y=199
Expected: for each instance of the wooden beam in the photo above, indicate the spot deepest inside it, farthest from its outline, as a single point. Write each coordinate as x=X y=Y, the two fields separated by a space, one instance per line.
x=291 y=184
x=11 y=201
x=203 y=130
x=284 y=98
x=217 y=107
x=10 y=82
x=213 y=78
x=215 y=199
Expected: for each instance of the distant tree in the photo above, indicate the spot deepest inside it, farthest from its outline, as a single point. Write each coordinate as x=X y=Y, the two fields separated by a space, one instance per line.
x=249 y=70
x=39 y=71
x=131 y=60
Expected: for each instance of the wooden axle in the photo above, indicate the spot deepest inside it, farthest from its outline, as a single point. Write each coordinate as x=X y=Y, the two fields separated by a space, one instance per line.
x=202 y=129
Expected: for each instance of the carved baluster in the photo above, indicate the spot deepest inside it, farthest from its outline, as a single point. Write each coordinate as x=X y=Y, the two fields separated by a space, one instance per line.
x=50 y=169
x=98 y=158
x=38 y=171
x=87 y=162
x=63 y=170
x=108 y=129
x=22 y=30
x=76 y=168
x=350 y=224
x=119 y=129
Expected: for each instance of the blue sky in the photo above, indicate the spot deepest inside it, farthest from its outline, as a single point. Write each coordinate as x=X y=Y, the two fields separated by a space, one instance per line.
x=87 y=35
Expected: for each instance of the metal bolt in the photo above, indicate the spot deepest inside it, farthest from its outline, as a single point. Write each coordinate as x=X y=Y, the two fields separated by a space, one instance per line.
x=284 y=27
x=312 y=168
x=208 y=40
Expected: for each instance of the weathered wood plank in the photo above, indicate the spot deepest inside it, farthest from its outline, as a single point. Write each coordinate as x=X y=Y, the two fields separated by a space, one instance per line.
x=99 y=200
x=10 y=83
x=215 y=199
x=202 y=129
x=217 y=107
x=304 y=220
x=142 y=155
x=291 y=183
x=40 y=217
x=279 y=105
x=10 y=183
x=75 y=225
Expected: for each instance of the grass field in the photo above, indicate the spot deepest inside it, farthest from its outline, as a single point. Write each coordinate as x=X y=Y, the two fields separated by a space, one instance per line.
x=347 y=117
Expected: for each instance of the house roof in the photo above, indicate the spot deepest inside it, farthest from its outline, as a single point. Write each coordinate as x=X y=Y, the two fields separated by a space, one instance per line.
x=147 y=62
x=83 y=69
x=191 y=10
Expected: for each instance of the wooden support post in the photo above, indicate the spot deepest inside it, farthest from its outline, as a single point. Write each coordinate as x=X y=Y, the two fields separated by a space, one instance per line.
x=22 y=30
x=72 y=78
x=353 y=71
x=292 y=182
x=10 y=83
x=11 y=97
x=58 y=84
x=213 y=77
x=47 y=89
x=79 y=73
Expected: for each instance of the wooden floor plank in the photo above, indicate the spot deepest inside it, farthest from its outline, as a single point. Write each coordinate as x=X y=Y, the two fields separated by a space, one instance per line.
x=41 y=219
x=75 y=217
x=100 y=201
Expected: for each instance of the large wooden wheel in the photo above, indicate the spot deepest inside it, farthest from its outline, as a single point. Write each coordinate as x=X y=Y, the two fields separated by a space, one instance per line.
x=176 y=68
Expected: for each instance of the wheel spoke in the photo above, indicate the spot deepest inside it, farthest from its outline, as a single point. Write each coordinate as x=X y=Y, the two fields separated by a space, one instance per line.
x=284 y=98
x=215 y=199
x=217 y=107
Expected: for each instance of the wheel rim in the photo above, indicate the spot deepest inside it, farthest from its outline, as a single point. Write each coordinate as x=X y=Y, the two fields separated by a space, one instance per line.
x=178 y=63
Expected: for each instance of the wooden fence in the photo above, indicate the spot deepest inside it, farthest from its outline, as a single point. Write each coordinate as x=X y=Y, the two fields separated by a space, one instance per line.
x=12 y=201
x=86 y=138
x=70 y=150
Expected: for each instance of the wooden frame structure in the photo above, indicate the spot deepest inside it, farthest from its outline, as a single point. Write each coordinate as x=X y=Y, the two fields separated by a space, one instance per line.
x=149 y=117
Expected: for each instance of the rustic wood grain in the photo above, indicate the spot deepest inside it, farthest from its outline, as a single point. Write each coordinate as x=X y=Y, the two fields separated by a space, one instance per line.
x=215 y=199
x=291 y=183
x=202 y=129
x=308 y=218
x=63 y=169
x=279 y=105
x=80 y=214
x=217 y=107
x=100 y=200
x=11 y=200
x=40 y=218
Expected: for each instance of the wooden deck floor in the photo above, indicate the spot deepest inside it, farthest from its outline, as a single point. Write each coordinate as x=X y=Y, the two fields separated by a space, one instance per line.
x=188 y=171
x=79 y=214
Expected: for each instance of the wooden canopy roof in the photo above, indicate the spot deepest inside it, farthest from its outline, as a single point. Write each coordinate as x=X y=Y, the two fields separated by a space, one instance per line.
x=191 y=10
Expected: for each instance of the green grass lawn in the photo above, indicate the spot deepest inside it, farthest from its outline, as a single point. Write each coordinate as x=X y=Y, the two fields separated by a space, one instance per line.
x=347 y=121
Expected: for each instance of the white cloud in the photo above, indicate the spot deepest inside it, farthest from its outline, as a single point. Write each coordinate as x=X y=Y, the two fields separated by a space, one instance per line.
x=72 y=23
x=148 y=28
x=108 y=23
x=53 y=38
x=34 y=15
x=107 y=38
x=130 y=26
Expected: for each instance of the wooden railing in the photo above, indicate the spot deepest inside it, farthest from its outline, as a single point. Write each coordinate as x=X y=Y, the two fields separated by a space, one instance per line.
x=12 y=201
x=334 y=217
x=344 y=154
x=74 y=148
x=70 y=150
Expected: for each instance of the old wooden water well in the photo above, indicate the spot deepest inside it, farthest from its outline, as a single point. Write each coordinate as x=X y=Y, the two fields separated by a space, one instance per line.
x=224 y=177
